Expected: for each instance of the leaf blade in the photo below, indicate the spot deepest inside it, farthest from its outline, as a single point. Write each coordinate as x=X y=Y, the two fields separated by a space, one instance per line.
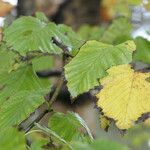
x=21 y=93
x=143 y=50
x=125 y=96
x=12 y=139
x=67 y=125
x=91 y=63
x=34 y=34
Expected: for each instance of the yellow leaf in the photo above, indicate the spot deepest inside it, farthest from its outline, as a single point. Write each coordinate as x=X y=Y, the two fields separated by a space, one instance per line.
x=104 y=122
x=125 y=96
x=147 y=122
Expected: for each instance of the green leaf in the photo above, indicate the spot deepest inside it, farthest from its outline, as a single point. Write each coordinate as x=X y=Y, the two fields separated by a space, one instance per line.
x=143 y=50
x=21 y=92
x=90 y=33
x=67 y=125
x=6 y=59
x=81 y=146
x=43 y=63
x=119 y=31
x=12 y=140
x=54 y=136
x=134 y=2
x=100 y=145
x=37 y=145
x=38 y=141
x=91 y=63
x=41 y=16
x=74 y=40
x=32 y=34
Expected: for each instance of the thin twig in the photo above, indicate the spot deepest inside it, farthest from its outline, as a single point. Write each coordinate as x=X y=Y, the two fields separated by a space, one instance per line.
x=33 y=54
x=49 y=73
x=62 y=46
x=53 y=98
x=24 y=125
x=143 y=117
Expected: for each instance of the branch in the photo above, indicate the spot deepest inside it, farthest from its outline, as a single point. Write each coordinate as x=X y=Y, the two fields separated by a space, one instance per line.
x=53 y=98
x=26 y=125
x=62 y=46
x=143 y=117
x=49 y=73
x=33 y=54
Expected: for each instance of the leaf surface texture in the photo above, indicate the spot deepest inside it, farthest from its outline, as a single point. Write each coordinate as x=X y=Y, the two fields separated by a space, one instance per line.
x=91 y=63
x=125 y=96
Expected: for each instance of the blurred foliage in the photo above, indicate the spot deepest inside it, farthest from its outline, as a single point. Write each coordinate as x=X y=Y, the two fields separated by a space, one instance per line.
x=118 y=31
x=143 y=50
x=88 y=32
x=13 y=140
x=1 y=30
x=146 y=5
x=100 y=144
x=5 y=8
x=138 y=137
x=115 y=8
x=43 y=63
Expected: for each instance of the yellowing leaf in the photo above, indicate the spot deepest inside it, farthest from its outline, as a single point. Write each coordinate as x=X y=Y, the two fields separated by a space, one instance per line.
x=125 y=96
x=147 y=122
x=104 y=122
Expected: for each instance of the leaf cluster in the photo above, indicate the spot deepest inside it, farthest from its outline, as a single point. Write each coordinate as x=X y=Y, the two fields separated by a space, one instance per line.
x=105 y=58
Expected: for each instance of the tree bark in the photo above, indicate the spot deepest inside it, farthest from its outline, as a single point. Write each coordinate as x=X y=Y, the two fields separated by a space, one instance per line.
x=78 y=12
x=70 y=12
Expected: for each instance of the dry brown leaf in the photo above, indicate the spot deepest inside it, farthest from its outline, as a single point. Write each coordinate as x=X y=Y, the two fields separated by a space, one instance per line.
x=0 y=34
x=5 y=8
